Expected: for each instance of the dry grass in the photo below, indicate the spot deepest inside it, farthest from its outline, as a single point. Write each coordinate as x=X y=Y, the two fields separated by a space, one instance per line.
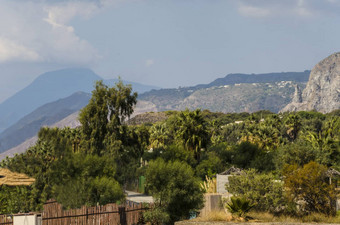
x=312 y=218
x=220 y=215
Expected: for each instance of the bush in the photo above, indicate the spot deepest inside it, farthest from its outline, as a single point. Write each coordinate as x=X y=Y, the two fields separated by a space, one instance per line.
x=239 y=206
x=307 y=186
x=156 y=216
x=210 y=166
x=262 y=190
x=175 y=188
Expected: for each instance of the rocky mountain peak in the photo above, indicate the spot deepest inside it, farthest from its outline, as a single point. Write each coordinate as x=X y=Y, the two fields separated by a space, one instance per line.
x=322 y=92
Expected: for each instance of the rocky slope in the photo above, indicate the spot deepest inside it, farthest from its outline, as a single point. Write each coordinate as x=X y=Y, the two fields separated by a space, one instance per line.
x=241 y=97
x=322 y=92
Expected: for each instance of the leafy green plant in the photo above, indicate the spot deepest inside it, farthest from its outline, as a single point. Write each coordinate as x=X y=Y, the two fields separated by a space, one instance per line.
x=156 y=215
x=261 y=189
x=239 y=206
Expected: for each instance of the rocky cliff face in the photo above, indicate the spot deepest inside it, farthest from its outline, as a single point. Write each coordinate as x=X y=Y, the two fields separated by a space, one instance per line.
x=322 y=92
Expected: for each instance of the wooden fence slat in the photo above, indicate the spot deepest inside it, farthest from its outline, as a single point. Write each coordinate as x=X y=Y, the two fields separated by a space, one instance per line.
x=54 y=214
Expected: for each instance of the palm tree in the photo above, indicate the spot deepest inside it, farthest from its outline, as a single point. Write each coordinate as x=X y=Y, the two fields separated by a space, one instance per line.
x=159 y=135
x=192 y=131
x=293 y=125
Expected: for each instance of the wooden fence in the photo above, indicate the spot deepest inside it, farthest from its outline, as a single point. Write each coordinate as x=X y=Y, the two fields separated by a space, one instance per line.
x=54 y=214
x=6 y=220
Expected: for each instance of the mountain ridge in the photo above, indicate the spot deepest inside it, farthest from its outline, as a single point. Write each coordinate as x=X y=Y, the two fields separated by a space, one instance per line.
x=45 y=115
x=49 y=87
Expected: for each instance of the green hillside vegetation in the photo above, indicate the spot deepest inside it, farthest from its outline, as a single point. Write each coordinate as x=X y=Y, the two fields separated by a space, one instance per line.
x=176 y=151
x=240 y=97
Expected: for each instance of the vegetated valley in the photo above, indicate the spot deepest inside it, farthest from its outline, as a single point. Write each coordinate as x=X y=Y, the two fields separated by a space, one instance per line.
x=287 y=163
x=177 y=151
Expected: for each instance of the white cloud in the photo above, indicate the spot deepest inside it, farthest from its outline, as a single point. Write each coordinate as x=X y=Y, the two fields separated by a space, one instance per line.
x=11 y=51
x=287 y=8
x=40 y=31
x=253 y=11
x=149 y=62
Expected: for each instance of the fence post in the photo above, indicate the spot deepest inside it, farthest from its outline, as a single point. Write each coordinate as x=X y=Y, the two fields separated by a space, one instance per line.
x=122 y=215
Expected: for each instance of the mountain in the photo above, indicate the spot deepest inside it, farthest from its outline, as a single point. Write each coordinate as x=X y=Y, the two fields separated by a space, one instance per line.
x=322 y=92
x=46 y=88
x=137 y=87
x=45 y=115
x=238 y=78
x=49 y=87
x=233 y=93
x=70 y=121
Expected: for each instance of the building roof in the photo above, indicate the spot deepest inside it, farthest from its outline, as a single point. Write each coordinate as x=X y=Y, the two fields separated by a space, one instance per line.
x=14 y=179
x=232 y=170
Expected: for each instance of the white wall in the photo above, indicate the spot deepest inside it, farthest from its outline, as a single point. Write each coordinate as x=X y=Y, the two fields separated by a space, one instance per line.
x=26 y=220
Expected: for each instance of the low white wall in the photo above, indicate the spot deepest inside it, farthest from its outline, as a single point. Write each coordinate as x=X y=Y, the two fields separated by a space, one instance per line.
x=26 y=220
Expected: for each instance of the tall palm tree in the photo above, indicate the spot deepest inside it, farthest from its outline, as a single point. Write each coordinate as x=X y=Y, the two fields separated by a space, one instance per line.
x=293 y=125
x=192 y=131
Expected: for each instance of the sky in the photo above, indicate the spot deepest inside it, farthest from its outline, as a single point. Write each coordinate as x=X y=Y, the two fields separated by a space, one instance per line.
x=166 y=43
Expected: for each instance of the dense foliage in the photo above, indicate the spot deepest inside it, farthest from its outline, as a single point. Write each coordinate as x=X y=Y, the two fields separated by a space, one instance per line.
x=175 y=188
x=97 y=161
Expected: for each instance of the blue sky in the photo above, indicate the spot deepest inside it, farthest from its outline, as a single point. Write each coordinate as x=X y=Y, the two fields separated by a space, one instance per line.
x=167 y=43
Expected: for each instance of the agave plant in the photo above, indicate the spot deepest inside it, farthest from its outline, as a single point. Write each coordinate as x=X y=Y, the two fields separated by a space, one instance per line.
x=239 y=206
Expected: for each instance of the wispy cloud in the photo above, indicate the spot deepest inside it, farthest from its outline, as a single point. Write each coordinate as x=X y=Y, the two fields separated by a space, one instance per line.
x=149 y=62
x=287 y=8
x=40 y=31
x=253 y=11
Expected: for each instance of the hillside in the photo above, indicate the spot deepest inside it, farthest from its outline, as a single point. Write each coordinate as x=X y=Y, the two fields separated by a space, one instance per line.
x=234 y=94
x=49 y=87
x=45 y=115
x=238 y=78
x=322 y=92
x=70 y=121
x=239 y=97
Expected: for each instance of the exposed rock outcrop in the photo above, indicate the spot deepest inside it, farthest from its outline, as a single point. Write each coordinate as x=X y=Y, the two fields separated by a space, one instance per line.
x=322 y=92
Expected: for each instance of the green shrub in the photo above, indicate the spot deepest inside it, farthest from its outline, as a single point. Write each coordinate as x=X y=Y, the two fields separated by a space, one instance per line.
x=239 y=206
x=175 y=188
x=262 y=190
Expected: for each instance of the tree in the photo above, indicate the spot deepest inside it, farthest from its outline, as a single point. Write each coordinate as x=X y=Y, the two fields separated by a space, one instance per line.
x=192 y=131
x=209 y=166
x=293 y=125
x=89 y=179
x=307 y=185
x=175 y=188
x=105 y=113
x=159 y=135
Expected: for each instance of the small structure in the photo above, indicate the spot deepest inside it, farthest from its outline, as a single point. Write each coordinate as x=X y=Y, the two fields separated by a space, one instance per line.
x=223 y=179
x=27 y=219
x=14 y=179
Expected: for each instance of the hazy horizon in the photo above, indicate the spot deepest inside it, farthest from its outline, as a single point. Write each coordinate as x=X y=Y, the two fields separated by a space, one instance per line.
x=163 y=43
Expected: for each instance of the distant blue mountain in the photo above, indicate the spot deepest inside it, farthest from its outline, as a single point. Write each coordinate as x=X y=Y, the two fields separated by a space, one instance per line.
x=45 y=115
x=139 y=88
x=50 y=87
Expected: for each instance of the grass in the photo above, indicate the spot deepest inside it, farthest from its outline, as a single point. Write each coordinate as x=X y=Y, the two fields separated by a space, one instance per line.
x=253 y=216
x=219 y=215
x=312 y=218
